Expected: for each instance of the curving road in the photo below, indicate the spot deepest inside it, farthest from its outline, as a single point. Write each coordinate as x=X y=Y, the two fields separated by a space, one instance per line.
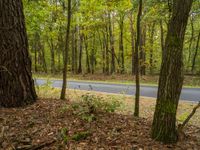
x=189 y=94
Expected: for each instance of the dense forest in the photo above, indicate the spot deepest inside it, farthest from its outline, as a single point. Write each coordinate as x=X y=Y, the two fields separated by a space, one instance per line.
x=103 y=36
x=106 y=38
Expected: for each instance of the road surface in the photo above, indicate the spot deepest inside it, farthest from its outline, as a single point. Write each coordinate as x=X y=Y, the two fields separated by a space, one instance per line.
x=189 y=94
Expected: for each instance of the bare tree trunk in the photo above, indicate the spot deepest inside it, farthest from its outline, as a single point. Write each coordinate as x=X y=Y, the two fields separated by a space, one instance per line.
x=142 y=52
x=137 y=66
x=191 y=41
x=152 y=30
x=171 y=75
x=132 y=42
x=107 y=69
x=64 y=86
x=112 y=44
x=121 y=43
x=87 y=55
x=162 y=39
x=195 y=54
x=16 y=83
x=80 y=54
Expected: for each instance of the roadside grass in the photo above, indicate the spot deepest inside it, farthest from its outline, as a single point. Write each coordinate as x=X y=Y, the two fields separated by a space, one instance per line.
x=189 y=81
x=147 y=105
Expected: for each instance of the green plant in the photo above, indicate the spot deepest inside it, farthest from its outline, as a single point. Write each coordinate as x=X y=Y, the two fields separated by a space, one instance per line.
x=80 y=136
x=64 y=132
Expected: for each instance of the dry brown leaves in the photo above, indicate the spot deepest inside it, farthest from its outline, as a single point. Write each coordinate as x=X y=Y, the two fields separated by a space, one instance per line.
x=39 y=127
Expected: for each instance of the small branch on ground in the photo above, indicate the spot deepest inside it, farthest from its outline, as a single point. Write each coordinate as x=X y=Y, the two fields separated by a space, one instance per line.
x=181 y=126
x=36 y=147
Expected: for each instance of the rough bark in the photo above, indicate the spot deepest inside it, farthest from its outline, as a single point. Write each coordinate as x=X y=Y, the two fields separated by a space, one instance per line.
x=16 y=83
x=171 y=75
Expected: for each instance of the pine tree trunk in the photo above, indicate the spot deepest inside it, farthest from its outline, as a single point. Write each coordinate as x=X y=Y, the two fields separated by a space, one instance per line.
x=16 y=83
x=171 y=75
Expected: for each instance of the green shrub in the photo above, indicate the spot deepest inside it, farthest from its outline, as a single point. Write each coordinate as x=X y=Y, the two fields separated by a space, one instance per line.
x=80 y=136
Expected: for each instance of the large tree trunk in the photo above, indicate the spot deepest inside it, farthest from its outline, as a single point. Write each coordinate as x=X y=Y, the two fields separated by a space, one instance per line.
x=137 y=65
x=16 y=83
x=171 y=75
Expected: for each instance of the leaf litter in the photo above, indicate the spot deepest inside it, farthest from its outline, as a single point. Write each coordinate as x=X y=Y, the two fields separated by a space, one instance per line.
x=54 y=125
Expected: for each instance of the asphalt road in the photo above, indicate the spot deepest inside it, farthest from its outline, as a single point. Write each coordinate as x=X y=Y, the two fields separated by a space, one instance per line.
x=189 y=94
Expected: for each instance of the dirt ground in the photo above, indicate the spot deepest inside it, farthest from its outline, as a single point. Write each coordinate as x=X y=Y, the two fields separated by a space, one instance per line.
x=53 y=125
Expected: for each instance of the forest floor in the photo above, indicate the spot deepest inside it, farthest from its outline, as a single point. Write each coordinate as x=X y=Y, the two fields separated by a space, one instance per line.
x=189 y=81
x=88 y=121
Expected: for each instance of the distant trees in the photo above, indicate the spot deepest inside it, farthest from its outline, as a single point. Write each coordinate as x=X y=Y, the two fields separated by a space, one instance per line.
x=171 y=75
x=103 y=36
x=16 y=83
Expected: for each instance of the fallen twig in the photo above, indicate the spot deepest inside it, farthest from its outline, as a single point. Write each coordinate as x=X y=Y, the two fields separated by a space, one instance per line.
x=181 y=126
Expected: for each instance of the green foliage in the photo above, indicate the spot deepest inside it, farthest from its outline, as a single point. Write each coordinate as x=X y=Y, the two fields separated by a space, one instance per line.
x=183 y=116
x=46 y=25
x=94 y=102
x=64 y=132
x=80 y=136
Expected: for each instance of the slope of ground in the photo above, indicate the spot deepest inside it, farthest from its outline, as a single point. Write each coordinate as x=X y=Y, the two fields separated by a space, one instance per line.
x=55 y=124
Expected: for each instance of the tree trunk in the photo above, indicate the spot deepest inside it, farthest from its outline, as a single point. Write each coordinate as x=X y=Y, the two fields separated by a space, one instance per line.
x=171 y=75
x=162 y=40
x=137 y=65
x=87 y=55
x=121 y=44
x=51 y=45
x=132 y=43
x=152 y=30
x=80 y=54
x=195 y=54
x=16 y=83
x=64 y=86
x=191 y=41
x=142 y=52
x=112 y=45
x=107 y=53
